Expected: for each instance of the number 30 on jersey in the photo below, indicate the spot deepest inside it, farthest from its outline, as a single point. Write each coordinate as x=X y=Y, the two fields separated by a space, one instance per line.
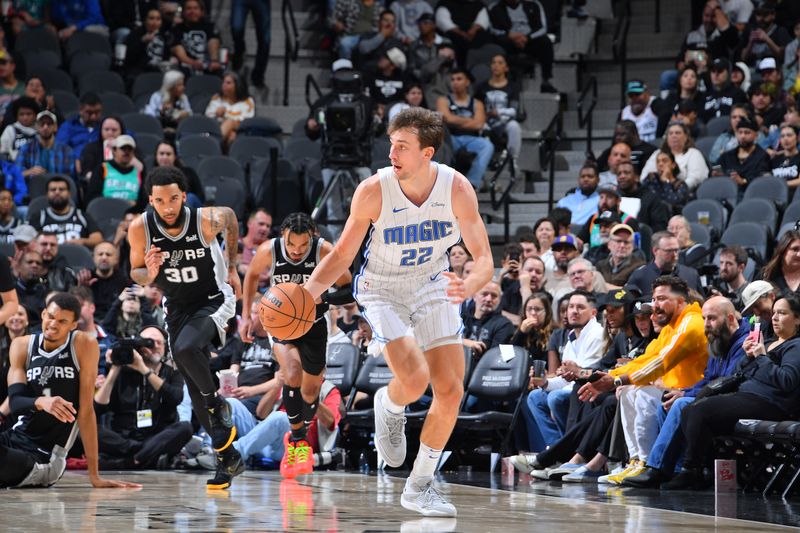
x=181 y=275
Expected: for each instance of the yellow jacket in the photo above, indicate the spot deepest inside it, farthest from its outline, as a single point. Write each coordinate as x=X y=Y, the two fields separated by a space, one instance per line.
x=678 y=355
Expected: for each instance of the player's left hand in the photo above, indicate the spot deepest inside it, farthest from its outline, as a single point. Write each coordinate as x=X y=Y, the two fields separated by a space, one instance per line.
x=102 y=483
x=235 y=282
x=456 y=289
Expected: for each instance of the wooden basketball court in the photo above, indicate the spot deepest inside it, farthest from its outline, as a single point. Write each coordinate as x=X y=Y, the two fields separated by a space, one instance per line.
x=331 y=501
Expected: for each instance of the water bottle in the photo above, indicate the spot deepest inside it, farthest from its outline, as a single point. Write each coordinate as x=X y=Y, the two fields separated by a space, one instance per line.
x=363 y=464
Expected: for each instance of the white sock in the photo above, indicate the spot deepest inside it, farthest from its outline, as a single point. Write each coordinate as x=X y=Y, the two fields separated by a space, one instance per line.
x=425 y=464
x=390 y=406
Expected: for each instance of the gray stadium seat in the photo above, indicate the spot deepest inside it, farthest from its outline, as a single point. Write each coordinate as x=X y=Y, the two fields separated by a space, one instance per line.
x=146 y=143
x=700 y=234
x=259 y=127
x=41 y=59
x=88 y=61
x=484 y=54
x=481 y=72
x=792 y=214
x=146 y=84
x=769 y=188
x=37 y=39
x=76 y=255
x=748 y=235
x=53 y=79
x=784 y=228
x=341 y=366
x=299 y=128
x=756 y=210
x=87 y=41
x=107 y=212
x=719 y=188
x=192 y=149
x=220 y=166
x=299 y=149
x=705 y=144
x=101 y=81
x=198 y=125
x=225 y=191
x=66 y=102
x=141 y=123
x=35 y=206
x=203 y=84
x=199 y=103
x=717 y=215
x=116 y=104
x=717 y=126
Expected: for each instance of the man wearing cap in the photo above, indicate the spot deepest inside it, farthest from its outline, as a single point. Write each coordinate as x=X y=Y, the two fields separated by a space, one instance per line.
x=721 y=95
x=44 y=154
x=747 y=161
x=619 y=153
x=757 y=300
x=582 y=202
x=764 y=38
x=118 y=177
x=608 y=213
x=621 y=261
x=565 y=249
x=24 y=239
x=686 y=112
x=68 y=223
x=639 y=201
x=640 y=111
x=665 y=262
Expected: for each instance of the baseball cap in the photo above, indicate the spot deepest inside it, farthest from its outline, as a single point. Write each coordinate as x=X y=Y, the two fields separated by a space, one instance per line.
x=720 y=63
x=124 y=140
x=397 y=57
x=643 y=306
x=47 y=113
x=768 y=63
x=341 y=64
x=746 y=123
x=608 y=217
x=564 y=241
x=617 y=298
x=635 y=87
x=621 y=227
x=426 y=17
x=24 y=233
x=610 y=189
x=754 y=291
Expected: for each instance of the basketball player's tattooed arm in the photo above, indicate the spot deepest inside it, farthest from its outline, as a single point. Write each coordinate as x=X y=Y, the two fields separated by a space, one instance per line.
x=223 y=220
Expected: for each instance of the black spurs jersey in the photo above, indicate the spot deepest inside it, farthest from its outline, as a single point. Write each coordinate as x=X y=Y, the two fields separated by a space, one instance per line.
x=54 y=373
x=74 y=224
x=194 y=271
x=284 y=270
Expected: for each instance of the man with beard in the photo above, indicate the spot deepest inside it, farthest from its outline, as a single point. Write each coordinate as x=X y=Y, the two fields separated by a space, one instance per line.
x=639 y=110
x=46 y=154
x=60 y=276
x=722 y=94
x=676 y=358
x=665 y=262
x=732 y=261
x=640 y=202
x=486 y=327
x=106 y=281
x=748 y=160
x=625 y=132
x=725 y=337
x=582 y=202
x=70 y=224
x=31 y=286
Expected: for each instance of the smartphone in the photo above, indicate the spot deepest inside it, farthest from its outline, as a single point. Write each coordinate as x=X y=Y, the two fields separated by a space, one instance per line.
x=755 y=333
x=513 y=256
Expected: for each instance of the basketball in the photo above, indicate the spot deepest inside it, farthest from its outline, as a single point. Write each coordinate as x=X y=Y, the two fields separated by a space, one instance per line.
x=287 y=311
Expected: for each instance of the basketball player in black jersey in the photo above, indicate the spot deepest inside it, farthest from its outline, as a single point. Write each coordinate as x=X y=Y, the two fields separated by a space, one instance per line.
x=291 y=259
x=51 y=380
x=177 y=248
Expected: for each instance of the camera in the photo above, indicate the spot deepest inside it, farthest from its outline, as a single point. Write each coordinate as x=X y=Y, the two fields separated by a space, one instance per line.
x=347 y=123
x=122 y=349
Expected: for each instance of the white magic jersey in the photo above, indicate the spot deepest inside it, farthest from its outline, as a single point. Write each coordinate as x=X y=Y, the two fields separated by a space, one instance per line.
x=407 y=241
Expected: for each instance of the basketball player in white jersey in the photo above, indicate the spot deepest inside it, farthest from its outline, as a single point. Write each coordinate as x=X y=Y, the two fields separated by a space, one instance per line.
x=414 y=211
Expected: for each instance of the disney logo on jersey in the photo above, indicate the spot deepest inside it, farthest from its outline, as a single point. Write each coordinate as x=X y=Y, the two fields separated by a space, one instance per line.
x=425 y=231
x=43 y=374
x=176 y=256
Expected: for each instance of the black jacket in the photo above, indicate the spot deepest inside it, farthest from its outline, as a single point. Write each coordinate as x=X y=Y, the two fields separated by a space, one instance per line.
x=776 y=377
x=718 y=102
x=492 y=330
x=644 y=276
x=501 y=22
x=653 y=211
x=756 y=164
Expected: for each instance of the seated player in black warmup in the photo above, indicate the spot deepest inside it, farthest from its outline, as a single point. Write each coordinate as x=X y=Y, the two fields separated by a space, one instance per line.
x=176 y=248
x=291 y=259
x=51 y=385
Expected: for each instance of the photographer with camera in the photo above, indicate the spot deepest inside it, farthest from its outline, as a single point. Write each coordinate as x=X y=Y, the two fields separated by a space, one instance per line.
x=129 y=313
x=142 y=394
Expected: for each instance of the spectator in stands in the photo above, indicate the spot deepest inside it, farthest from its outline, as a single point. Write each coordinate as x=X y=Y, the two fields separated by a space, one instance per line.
x=413 y=96
x=10 y=87
x=595 y=232
x=732 y=262
x=170 y=103
x=783 y=268
x=351 y=20
x=535 y=328
x=688 y=89
x=665 y=263
x=147 y=46
x=15 y=326
x=747 y=161
x=81 y=129
x=721 y=95
x=771 y=385
x=12 y=179
x=529 y=244
x=259 y=225
x=510 y=264
x=692 y=253
x=767 y=107
x=690 y=161
x=737 y=11
x=582 y=276
x=727 y=139
x=758 y=298
x=621 y=262
x=504 y=112
x=790 y=52
x=87 y=324
x=31 y=286
x=118 y=177
x=63 y=219
x=125 y=317
x=645 y=206
x=545 y=232
x=786 y=162
x=715 y=34
x=262 y=19
x=431 y=57
x=167 y=156
x=60 y=275
x=231 y=106
x=374 y=45
x=27 y=15
x=485 y=327
x=625 y=132
x=34 y=88
x=520 y=27
x=46 y=154
x=21 y=132
x=24 y=239
x=686 y=112
x=640 y=111
x=106 y=281
x=549 y=403
x=146 y=384
x=69 y=17
x=531 y=279
x=582 y=202
x=465 y=23
x=764 y=38
x=8 y=221
x=99 y=151
x=465 y=118
x=387 y=84
x=126 y=16
x=408 y=13
x=196 y=40
x=458 y=255
x=620 y=153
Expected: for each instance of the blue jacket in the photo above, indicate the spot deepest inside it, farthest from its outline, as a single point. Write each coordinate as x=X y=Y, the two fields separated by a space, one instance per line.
x=775 y=377
x=81 y=13
x=15 y=181
x=723 y=366
x=75 y=135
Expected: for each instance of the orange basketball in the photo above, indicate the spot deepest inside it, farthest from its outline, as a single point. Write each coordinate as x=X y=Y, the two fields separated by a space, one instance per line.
x=287 y=311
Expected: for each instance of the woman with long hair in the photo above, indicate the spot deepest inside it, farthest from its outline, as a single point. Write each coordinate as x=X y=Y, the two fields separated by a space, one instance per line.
x=231 y=106
x=786 y=163
x=783 y=270
x=692 y=167
x=458 y=255
x=167 y=156
x=545 y=231
x=688 y=89
x=170 y=103
x=536 y=326
x=663 y=182
x=15 y=326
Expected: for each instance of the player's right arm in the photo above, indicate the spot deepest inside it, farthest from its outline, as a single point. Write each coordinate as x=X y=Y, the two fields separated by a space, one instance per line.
x=261 y=262
x=145 y=264
x=364 y=210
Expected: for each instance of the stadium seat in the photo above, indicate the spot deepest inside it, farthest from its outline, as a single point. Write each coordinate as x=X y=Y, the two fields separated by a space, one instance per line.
x=245 y=150
x=301 y=149
x=66 y=102
x=705 y=144
x=791 y=214
x=37 y=39
x=83 y=41
x=107 y=212
x=756 y=210
x=76 y=255
x=37 y=186
x=203 y=84
x=700 y=234
x=146 y=83
x=259 y=127
x=784 y=228
x=699 y=210
x=769 y=188
x=146 y=143
x=480 y=72
x=199 y=103
x=7 y=249
x=220 y=166
x=374 y=374
x=718 y=125
x=198 y=125
x=101 y=81
x=88 y=61
x=299 y=128
x=35 y=206
x=748 y=235
x=41 y=59
x=116 y=104
x=225 y=191
x=192 y=149
x=342 y=366
x=721 y=188
x=53 y=79
x=484 y=54
x=141 y=123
